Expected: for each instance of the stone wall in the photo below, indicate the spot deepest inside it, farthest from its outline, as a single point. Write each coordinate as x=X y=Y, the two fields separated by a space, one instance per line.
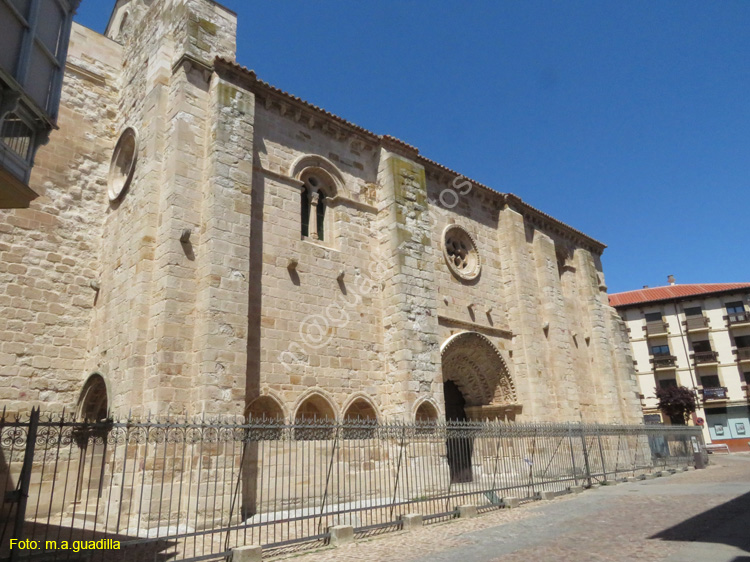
x=210 y=296
x=50 y=253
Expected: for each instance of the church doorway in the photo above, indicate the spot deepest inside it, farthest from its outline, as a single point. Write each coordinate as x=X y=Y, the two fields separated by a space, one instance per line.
x=459 y=445
x=91 y=439
x=477 y=386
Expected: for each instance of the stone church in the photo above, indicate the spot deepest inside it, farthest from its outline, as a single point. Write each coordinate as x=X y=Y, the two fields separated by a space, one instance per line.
x=207 y=242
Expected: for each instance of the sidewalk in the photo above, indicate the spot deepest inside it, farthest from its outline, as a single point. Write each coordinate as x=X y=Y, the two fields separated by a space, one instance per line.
x=698 y=516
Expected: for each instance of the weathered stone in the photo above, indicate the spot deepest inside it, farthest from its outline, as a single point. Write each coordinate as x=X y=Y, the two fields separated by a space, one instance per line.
x=467 y=511
x=411 y=521
x=341 y=535
x=511 y=502
x=358 y=309
x=247 y=554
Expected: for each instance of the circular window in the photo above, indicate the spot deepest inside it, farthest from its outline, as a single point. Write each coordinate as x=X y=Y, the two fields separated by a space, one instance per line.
x=461 y=253
x=123 y=163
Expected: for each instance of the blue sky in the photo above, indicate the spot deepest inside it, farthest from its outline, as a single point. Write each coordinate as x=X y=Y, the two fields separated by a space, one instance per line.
x=628 y=120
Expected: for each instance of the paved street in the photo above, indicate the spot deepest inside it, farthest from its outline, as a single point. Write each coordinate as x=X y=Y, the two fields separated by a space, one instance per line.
x=698 y=516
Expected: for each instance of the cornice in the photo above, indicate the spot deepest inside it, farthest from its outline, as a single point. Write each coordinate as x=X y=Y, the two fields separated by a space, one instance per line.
x=543 y=221
x=314 y=117
x=447 y=321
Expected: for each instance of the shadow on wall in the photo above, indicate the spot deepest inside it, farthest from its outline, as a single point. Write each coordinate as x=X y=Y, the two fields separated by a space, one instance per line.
x=726 y=524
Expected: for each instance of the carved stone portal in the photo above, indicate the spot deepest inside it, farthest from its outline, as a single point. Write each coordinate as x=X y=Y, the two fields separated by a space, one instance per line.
x=477 y=368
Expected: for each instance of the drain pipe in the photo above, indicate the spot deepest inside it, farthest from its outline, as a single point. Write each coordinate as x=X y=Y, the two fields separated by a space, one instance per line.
x=684 y=347
x=699 y=404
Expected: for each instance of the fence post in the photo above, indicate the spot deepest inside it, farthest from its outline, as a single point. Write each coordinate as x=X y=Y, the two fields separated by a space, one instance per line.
x=24 y=481
x=572 y=456
x=398 y=468
x=328 y=479
x=585 y=455
x=601 y=452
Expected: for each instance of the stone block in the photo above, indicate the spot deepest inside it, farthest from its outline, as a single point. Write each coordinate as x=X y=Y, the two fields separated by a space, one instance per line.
x=467 y=511
x=633 y=479
x=511 y=502
x=341 y=535
x=576 y=489
x=250 y=553
x=411 y=521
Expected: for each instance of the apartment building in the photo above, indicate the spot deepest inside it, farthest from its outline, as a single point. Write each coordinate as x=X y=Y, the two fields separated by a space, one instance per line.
x=697 y=336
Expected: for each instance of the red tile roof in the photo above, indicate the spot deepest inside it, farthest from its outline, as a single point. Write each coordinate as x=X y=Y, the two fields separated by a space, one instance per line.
x=671 y=292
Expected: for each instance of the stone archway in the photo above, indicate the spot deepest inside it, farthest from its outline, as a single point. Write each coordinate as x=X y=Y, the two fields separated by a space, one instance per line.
x=93 y=402
x=472 y=363
x=91 y=439
x=476 y=386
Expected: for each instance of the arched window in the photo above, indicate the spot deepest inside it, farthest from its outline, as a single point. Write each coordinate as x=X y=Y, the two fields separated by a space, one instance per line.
x=314 y=419
x=265 y=408
x=305 y=212
x=426 y=413
x=359 y=420
x=266 y=419
x=93 y=404
x=321 y=215
x=314 y=206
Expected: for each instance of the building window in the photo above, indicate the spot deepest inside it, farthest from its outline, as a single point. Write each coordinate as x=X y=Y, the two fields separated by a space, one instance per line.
x=122 y=165
x=702 y=346
x=735 y=307
x=305 y=212
x=747 y=377
x=694 y=311
x=660 y=350
x=17 y=136
x=314 y=208
x=710 y=381
x=321 y=215
x=742 y=342
x=667 y=383
x=460 y=253
x=735 y=311
x=653 y=317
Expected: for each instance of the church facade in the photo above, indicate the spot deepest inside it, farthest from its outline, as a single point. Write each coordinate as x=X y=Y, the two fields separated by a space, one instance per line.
x=206 y=242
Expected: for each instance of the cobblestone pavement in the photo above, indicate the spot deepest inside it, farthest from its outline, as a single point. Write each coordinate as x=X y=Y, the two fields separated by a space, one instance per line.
x=697 y=516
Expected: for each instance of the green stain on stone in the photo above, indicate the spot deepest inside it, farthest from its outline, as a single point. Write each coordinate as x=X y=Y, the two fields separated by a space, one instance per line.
x=208 y=26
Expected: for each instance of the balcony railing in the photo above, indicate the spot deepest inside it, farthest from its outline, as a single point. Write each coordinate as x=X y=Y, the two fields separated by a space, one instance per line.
x=663 y=361
x=718 y=393
x=703 y=357
x=738 y=318
x=656 y=328
x=696 y=323
x=743 y=354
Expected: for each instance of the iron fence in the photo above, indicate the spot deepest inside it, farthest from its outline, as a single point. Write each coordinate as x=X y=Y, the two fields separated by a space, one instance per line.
x=168 y=489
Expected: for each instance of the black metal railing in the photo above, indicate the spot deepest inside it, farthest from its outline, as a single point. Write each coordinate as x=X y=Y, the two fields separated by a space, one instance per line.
x=663 y=361
x=195 y=489
x=703 y=357
x=716 y=393
x=693 y=323
x=738 y=318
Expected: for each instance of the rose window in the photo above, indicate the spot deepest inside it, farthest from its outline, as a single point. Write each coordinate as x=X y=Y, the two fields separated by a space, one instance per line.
x=461 y=253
